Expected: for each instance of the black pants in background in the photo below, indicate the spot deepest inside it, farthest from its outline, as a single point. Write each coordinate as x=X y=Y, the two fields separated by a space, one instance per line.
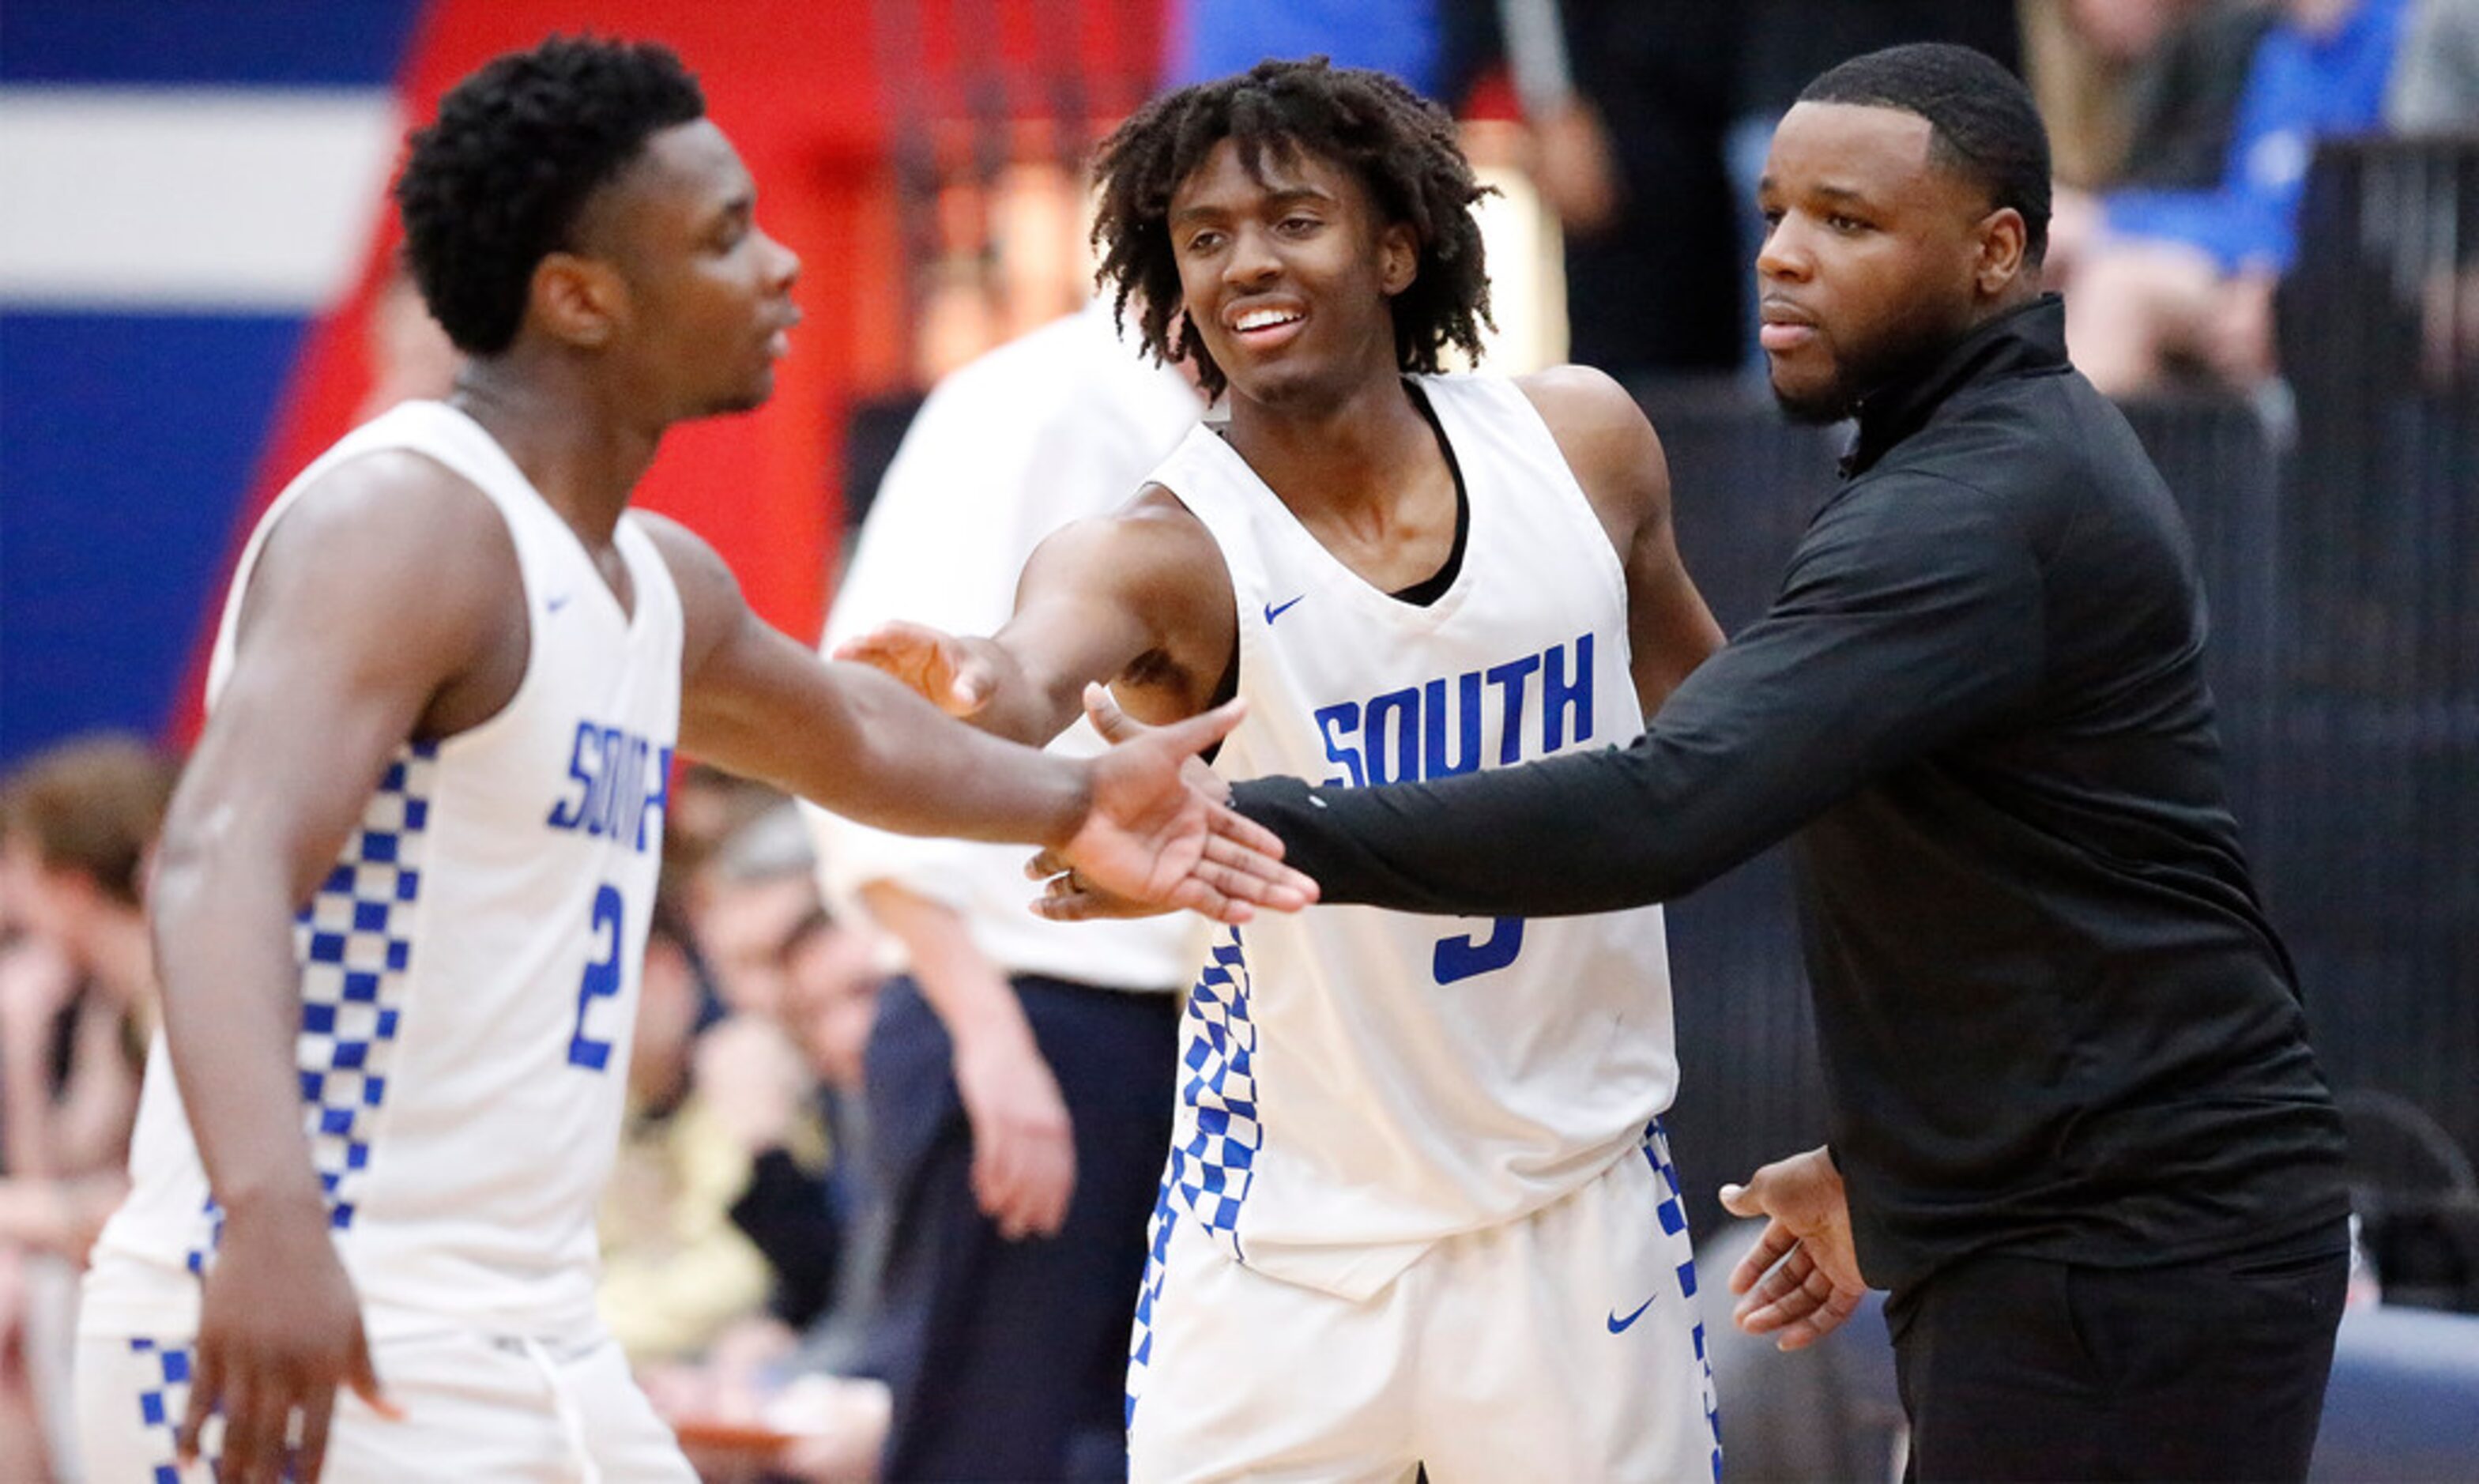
x=2020 y=1369
x=1008 y=1360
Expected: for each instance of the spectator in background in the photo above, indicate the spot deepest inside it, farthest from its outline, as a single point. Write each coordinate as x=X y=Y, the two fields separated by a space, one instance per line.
x=2435 y=86
x=2097 y=67
x=2171 y=279
x=1021 y=1073
x=77 y=991
x=675 y=1271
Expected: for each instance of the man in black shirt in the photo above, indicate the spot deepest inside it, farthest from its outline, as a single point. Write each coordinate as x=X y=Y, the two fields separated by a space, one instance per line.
x=2086 y=1143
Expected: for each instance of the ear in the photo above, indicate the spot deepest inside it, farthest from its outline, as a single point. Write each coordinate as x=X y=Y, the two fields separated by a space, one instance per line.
x=581 y=302
x=1399 y=260
x=2003 y=238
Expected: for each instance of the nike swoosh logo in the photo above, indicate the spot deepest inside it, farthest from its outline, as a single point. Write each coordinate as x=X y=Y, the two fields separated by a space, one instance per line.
x=554 y=604
x=1276 y=610
x=1618 y=1326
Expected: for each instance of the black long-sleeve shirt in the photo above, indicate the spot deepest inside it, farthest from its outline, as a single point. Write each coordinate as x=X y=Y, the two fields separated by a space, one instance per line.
x=2051 y=1014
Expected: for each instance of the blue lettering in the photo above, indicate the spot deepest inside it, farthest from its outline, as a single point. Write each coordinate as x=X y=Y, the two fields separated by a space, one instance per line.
x=1562 y=694
x=1462 y=957
x=1509 y=677
x=566 y=812
x=1433 y=718
x=660 y=799
x=613 y=794
x=1333 y=722
x=1399 y=710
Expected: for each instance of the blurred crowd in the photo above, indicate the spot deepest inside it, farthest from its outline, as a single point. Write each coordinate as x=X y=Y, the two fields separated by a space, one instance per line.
x=744 y=1237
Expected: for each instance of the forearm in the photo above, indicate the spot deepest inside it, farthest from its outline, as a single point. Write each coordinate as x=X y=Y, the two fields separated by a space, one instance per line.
x=858 y=743
x=232 y=1008
x=1593 y=832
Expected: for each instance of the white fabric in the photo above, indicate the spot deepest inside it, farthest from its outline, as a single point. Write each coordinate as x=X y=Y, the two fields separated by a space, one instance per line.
x=470 y=969
x=1365 y=1082
x=1566 y=1345
x=475 y=1407
x=1053 y=428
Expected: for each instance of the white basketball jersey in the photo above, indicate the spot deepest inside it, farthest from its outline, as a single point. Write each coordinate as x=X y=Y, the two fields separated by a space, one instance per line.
x=469 y=967
x=1358 y=1084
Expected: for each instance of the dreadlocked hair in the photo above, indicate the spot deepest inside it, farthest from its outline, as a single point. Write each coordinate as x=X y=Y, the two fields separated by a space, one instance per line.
x=1401 y=146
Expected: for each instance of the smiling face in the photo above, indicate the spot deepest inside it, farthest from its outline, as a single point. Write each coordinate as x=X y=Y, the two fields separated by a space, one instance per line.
x=1877 y=256
x=1287 y=275
x=704 y=295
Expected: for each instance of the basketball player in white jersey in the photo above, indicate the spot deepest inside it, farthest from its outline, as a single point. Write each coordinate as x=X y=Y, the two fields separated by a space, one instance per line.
x=404 y=887
x=1417 y=1212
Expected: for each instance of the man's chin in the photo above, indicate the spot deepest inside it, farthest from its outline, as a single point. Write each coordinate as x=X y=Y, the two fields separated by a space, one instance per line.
x=1813 y=407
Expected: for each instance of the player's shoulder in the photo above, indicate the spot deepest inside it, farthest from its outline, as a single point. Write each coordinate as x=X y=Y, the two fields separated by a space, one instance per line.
x=1583 y=397
x=1154 y=533
x=392 y=510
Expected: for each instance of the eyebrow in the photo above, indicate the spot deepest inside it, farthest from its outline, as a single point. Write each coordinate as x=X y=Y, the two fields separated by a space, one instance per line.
x=1277 y=200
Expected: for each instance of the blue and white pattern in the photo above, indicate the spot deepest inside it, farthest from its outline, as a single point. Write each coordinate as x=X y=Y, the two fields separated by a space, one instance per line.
x=1212 y=1166
x=1672 y=1213
x=1141 y=1344
x=354 y=943
x=161 y=1404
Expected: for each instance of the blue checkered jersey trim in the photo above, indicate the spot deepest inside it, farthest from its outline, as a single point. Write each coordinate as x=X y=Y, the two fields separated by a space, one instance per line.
x=1213 y=1161
x=354 y=945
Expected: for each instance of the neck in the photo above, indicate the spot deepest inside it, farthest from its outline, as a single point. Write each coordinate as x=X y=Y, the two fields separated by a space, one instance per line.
x=1356 y=451
x=564 y=431
x=2023 y=289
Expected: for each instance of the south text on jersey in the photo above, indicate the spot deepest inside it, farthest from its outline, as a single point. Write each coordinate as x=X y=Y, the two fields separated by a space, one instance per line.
x=619 y=783
x=1530 y=706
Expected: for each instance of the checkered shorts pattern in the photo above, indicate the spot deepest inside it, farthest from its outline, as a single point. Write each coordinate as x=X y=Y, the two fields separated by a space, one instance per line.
x=161 y=1404
x=354 y=943
x=1211 y=1165
x=1672 y=1213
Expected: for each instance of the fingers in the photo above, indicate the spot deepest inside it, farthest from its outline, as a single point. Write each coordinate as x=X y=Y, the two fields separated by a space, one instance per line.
x=206 y=1390
x=1772 y=1243
x=1102 y=710
x=1819 y=1322
x=1023 y=1183
x=1243 y=870
x=257 y=1406
x=311 y=1457
x=1197 y=732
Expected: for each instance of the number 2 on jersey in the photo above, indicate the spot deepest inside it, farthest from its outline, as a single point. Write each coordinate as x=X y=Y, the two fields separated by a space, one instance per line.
x=601 y=980
x=1465 y=956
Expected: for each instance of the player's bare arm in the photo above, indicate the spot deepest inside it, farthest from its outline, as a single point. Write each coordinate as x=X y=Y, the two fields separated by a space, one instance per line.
x=1617 y=458
x=757 y=703
x=386 y=605
x=1141 y=599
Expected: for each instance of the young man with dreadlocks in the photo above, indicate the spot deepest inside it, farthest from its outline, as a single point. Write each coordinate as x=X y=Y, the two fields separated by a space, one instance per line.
x=1418 y=1209
x=404 y=887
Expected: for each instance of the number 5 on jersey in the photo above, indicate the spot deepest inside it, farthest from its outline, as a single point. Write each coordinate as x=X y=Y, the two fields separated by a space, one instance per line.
x=601 y=980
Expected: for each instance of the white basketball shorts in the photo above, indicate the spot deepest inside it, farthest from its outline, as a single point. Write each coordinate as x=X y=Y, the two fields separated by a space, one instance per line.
x=1564 y=1346
x=475 y=1407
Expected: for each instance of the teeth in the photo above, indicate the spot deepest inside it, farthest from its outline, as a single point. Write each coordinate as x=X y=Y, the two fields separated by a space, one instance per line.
x=1259 y=319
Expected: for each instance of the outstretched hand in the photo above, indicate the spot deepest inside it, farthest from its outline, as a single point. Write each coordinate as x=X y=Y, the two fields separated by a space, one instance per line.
x=1155 y=837
x=1801 y=1278
x=1068 y=897
x=947 y=670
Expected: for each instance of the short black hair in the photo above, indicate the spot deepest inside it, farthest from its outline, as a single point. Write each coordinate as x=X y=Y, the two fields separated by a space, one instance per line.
x=1983 y=121
x=499 y=181
x=1401 y=146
